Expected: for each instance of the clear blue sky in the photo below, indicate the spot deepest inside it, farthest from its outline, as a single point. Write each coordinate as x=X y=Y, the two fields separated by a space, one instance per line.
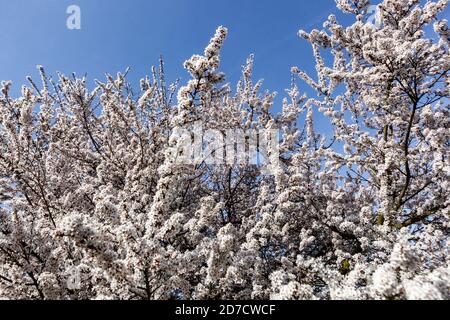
x=118 y=33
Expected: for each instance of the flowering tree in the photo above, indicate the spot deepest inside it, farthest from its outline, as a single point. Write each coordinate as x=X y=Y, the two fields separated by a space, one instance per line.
x=113 y=194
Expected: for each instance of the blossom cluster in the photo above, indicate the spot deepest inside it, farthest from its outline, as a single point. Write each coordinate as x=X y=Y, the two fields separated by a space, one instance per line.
x=94 y=205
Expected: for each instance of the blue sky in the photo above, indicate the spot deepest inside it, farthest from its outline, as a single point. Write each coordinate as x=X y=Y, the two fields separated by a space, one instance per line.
x=116 y=34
